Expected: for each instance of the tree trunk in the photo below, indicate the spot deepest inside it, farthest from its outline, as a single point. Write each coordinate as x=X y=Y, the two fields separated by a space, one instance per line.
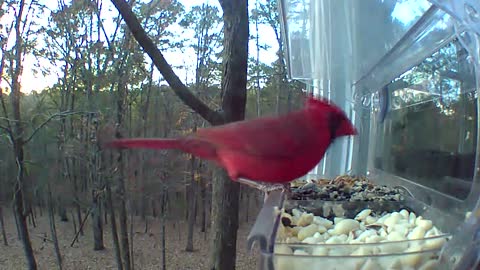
x=144 y=113
x=122 y=91
x=22 y=225
x=191 y=207
x=145 y=230
x=186 y=193
x=131 y=236
x=77 y=201
x=143 y=200
x=62 y=162
x=84 y=139
x=154 y=208
x=2 y=224
x=123 y=217
x=94 y=167
x=163 y=210
x=224 y=223
x=34 y=212
x=247 y=206
x=225 y=192
x=74 y=222
x=31 y=217
x=105 y=214
x=62 y=212
x=51 y=218
x=97 y=222
x=289 y=99
x=257 y=61
x=17 y=224
x=203 y=195
x=18 y=143
x=40 y=209
x=113 y=224
x=277 y=98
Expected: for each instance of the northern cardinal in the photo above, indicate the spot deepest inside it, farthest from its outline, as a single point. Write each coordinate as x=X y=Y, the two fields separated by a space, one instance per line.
x=268 y=149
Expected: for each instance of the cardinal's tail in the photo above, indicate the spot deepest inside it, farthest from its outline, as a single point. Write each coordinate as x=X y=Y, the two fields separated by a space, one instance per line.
x=194 y=146
x=144 y=143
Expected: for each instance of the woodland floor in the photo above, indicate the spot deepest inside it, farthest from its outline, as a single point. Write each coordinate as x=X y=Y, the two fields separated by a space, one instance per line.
x=147 y=247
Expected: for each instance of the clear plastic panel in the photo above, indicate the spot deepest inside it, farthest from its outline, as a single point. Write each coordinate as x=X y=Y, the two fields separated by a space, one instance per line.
x=431 y=32
x=277 y=252
x=344 y=47
x=429 y=133
x=324 y=37
x=414 y=260
x=406 y=72
x=351 y=49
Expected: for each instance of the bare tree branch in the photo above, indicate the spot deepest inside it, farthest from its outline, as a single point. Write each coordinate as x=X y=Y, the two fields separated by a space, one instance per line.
x=60 y=114
x=8 y=131
x=180 y=89
x=8 y=120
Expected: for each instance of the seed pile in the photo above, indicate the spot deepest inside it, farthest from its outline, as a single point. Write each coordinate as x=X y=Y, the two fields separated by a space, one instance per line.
x=346 y=188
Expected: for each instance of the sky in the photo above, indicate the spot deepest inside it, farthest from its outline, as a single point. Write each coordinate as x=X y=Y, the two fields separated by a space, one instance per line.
x=405 y=11
x=37 y=82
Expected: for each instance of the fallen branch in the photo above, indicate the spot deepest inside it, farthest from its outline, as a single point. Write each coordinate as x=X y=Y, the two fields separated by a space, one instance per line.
x=81 y=227
x=85 y=218
x=44 y=238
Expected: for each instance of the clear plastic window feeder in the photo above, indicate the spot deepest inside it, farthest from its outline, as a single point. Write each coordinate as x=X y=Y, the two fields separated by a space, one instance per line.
x=407 y=73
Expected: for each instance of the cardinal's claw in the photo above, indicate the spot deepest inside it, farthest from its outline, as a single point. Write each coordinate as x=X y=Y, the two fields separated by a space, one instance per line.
x=269 y=188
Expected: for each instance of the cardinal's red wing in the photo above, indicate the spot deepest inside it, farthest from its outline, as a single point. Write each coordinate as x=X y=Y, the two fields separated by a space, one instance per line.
x=266 y=137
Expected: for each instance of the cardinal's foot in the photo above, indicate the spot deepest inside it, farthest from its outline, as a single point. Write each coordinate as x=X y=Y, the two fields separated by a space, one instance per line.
x=266 y=188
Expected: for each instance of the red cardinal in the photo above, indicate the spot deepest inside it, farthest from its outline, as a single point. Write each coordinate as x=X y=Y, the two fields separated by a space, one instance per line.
x=268 y=149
